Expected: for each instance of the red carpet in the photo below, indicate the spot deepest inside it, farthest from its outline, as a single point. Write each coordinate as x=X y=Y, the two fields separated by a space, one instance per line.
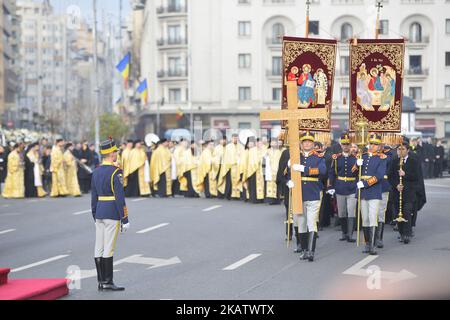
x=31 y=289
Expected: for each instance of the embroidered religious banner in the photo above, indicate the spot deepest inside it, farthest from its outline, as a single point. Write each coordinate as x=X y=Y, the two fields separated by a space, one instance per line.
x=308 y=74
x=376 y=79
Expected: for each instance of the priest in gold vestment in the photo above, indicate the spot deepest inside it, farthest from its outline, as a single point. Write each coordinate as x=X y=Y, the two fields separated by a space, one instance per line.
x=138 y=172
x=71 y=165
x=206 y=172
x=59 y=186
x=189 y=171
x=14 y=183
x=161 y=169
x=229 y=182
x=252 y=172
x=218 y=152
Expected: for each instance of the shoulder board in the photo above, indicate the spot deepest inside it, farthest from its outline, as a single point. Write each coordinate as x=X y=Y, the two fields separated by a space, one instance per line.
x=320 y=155
x=382 y=156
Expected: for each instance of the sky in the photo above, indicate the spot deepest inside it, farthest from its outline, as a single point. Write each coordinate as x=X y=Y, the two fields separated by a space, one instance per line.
x=109 y=7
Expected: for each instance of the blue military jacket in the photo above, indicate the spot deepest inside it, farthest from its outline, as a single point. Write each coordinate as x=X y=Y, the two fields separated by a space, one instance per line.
x=373 y=171
x=107 y=195
x=315 y=170
x=385 y=185
x=343 y=174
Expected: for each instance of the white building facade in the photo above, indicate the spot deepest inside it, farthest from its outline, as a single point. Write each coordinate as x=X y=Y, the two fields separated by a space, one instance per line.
x=221 y=60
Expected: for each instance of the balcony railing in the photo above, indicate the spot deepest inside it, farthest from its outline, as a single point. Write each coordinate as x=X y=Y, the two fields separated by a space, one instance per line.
x=273 y=73
x=417 y=72
x=171 y=41
x=345 y=2
x=171 y=9
x=172 y=73
x=274 y=41
x=422 y=40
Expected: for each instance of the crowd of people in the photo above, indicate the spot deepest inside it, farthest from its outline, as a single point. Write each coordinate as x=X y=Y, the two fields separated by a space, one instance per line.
x=431 y=154
x=257 y=172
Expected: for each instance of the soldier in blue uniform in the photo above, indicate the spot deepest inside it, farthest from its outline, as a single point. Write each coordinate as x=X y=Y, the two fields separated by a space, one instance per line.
x=342 y=182
x=313 y=169
x=110 y=214
x=386 y=190
x=373 y=170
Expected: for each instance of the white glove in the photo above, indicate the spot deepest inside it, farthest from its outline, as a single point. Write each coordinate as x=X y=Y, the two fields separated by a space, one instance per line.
x=298 y=167
x=290 y=184
x=331 y=191
x=289 y=164
x=359 y=162
x=360 y=185
x=125 y=227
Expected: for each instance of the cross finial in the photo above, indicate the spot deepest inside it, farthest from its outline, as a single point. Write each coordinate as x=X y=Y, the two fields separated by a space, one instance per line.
x=379 y=4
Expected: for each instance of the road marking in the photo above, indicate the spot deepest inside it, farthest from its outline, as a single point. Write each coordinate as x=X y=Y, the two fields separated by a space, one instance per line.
x=436 y=185
x=137 y=200
x=7 y=231
x=153 y=228
x=357 y=270
x=81 y=212
x=242 y=262
x=40 y=263
x=212 y=208
x=153 y=262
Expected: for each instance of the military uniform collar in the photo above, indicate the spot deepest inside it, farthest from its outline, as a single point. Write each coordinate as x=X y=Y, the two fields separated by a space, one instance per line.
x=107 y=163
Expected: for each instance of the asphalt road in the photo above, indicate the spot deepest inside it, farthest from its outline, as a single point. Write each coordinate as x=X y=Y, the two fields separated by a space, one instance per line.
x=196 y=248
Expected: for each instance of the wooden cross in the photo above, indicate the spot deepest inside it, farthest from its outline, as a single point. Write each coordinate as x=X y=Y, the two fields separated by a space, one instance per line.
x=293 y=115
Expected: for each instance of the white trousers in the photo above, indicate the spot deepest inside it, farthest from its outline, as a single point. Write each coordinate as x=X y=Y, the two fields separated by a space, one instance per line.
x=383 y=207
x=106 y=232
x=307 y=222
x=369 y=212
x=346 y=205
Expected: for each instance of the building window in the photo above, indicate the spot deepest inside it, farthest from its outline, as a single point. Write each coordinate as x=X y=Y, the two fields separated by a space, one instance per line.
x=346 y=31
x=415 y=93
x=174 y=33
x=447 y=59
x=244 y=125
x=276 y=66
x=447 y=26
x=344 y=65
x=384 y=27
x=415 y=32
x=447 y=92
x=447 y=129
x=244 y=28
x=175 y=66
x=415 y=64
x=345 y=94
x=276 y=94
x=277 y=33
x=174 y=95
x=245 y=93
x=244 y=61
x=314 y=27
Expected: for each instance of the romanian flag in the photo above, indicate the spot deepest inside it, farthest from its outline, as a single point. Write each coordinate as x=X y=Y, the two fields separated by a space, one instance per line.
x=180 y=114
x=124 y=68
x=143 y=91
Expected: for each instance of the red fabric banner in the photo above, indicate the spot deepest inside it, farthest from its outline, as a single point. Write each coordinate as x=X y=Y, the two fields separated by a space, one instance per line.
x=311 y=64
x=376 y=83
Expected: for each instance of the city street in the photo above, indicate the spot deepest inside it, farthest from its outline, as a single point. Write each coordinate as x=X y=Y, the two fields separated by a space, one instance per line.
x=215 y=249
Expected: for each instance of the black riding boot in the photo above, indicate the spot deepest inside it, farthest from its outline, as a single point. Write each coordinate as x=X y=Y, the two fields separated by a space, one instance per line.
x=350 y=227
x=373 y=236
x=344 y=229
x=366 y=239
x=298 y=249
x=108 y=269
x=380 y=232
x=100 y=273
x=304 y=246
x=312 y=236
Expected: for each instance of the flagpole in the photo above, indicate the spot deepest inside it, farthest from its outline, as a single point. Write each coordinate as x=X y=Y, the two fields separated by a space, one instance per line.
x=379 y=5
x=96 y=89
x=308 y=3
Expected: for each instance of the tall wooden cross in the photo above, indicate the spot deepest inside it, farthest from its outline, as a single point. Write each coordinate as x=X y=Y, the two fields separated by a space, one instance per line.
x=292 y=114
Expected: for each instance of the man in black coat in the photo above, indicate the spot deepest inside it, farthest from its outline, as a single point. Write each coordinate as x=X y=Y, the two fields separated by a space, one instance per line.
x=405 y=178
x=84 y=176
x=3 y=166
x=439 y=159
x=282 y=180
